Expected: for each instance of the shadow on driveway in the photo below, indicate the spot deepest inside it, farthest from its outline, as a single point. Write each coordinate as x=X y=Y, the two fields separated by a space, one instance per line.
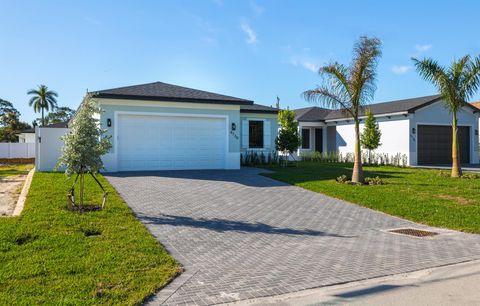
x=244 y=176
x=222 y=225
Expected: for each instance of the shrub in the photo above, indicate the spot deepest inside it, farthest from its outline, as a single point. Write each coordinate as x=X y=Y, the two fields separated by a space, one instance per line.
x=343 y=179
x=374 y=181
x=470 y=176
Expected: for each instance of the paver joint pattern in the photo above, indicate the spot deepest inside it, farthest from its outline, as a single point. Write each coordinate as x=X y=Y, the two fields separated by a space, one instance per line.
x=241 y=235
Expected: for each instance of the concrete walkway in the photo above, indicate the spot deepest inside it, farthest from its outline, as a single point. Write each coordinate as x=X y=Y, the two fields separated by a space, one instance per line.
x=242 y=236
x=443 y=286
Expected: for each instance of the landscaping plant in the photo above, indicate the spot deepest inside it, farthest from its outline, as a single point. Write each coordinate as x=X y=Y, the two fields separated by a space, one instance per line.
x=456 y=84
x=371 y=135
x=349 y=88
x=84 y=144
x=288 y=139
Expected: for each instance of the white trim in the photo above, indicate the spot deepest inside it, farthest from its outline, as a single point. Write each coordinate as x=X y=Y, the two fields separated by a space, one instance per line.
x=116 y=114
x=170 y=104
x=248 y=144
x=364 y=117
x=309 y=138
x=472 y=136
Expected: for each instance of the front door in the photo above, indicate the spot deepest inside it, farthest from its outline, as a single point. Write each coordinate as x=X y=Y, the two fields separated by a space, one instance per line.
x=319 y=140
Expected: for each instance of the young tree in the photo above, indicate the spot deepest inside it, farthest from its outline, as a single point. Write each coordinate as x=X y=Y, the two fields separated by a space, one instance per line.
x=349 y=88
x=288 y=139
x=370 y=137
x=42 y=99
x=84 y=144
x=456 y=84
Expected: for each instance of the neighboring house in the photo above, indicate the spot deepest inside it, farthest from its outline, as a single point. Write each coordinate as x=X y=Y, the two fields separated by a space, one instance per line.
x=26 y=136
x=160 y=126
x=419 y=128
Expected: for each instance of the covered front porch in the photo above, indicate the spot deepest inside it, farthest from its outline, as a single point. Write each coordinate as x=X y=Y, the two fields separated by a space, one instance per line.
x=317 y=137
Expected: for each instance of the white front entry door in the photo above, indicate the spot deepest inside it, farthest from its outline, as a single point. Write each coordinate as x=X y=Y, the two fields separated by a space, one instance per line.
x=163 y=142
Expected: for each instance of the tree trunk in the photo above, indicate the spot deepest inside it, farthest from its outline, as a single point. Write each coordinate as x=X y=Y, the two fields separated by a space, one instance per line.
x=456 y=167
x=81 y=188
x=357 y=176
x=43 y=120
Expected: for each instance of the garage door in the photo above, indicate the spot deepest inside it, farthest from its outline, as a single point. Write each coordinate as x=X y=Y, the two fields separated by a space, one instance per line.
x=435 y=144
x=148 y=142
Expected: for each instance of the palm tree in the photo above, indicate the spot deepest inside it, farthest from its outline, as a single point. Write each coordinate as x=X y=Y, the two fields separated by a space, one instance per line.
x=456 y=84
x=43 y=99
x=349 y=88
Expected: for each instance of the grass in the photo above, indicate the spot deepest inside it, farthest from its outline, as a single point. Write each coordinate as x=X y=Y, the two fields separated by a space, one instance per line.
x=13 y=169
x=50 y=255
x=420 y=195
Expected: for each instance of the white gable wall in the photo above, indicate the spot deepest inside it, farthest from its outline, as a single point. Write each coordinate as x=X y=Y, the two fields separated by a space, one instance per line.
x=394 y=138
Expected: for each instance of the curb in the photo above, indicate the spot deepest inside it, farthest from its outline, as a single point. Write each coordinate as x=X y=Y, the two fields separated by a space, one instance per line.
x=23 y=195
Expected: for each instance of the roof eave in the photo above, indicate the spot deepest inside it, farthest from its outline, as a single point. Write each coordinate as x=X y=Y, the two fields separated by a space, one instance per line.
x=364 y=116
x=170 y=99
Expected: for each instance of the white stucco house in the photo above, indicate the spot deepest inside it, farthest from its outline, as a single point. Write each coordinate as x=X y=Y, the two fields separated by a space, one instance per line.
x=159 y=126
x=419 y=128
x=26 y=136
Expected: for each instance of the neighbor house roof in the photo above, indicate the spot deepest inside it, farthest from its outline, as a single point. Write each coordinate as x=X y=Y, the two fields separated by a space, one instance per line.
x=476 y=104
x=311 y=113
x=159 y=91
x=257 y=108
x=385 y=108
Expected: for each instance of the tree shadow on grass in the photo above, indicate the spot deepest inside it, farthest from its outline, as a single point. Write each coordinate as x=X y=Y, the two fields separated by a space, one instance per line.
x=223 y=225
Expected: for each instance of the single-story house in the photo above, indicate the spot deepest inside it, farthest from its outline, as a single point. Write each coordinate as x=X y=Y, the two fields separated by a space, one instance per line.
x=418 y=128
x=159 y=126
x=26 y=136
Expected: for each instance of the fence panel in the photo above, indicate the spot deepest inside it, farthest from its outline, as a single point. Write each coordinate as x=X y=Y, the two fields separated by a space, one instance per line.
x=17 y=150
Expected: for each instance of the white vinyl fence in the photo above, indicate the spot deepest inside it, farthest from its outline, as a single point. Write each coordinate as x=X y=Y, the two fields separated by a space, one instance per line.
x=17 y=150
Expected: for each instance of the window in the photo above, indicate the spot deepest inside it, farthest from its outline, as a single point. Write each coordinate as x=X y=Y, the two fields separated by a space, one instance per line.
x=255 y=134
x=305 y=138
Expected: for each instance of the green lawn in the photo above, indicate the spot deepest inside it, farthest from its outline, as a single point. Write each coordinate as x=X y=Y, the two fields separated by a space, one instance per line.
x=50 y=255
x=10 y=170
x=419 y=195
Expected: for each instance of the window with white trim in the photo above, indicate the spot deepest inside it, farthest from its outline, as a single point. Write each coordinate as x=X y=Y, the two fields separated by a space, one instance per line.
x=255 y=134
x=305 y=138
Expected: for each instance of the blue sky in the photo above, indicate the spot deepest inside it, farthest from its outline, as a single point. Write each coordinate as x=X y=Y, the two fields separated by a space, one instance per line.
x=252 y=49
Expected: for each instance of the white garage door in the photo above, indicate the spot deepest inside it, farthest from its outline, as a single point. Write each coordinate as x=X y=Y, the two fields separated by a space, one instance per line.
x=148 y=142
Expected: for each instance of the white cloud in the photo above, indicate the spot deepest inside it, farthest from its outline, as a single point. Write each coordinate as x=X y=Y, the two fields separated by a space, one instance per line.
x=401 y=69
x=251 y=35
x=423 y=48
x=257 y=9
x=307 y=64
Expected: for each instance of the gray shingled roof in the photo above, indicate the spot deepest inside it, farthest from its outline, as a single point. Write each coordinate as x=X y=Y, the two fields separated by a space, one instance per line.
x=311 y=113
x=406 y=105
x=257 y=108
x=168 y=92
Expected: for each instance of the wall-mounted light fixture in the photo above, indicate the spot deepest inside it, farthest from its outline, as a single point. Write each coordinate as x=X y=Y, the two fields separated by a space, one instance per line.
x=109 y=122
x=414 y=131
x=234 y=126
x=476 y=132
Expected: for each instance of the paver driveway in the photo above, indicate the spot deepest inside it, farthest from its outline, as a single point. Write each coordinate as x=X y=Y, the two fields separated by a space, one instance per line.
x=241 y=235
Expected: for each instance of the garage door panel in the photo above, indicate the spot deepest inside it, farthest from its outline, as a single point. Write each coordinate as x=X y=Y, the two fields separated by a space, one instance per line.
x=170 y=142
x=434 y=144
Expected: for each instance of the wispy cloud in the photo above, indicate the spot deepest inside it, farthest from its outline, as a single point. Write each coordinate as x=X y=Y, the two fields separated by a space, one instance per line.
x=257 y=9
x=401 y=69
x=218 y=2
x=305 y=63
x=423 y=48
x=251 y=35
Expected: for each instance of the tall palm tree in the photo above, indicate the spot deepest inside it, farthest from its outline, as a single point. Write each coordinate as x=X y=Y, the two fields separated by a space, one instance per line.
x=43 y=99
x=349 y=88
x=456 y=84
